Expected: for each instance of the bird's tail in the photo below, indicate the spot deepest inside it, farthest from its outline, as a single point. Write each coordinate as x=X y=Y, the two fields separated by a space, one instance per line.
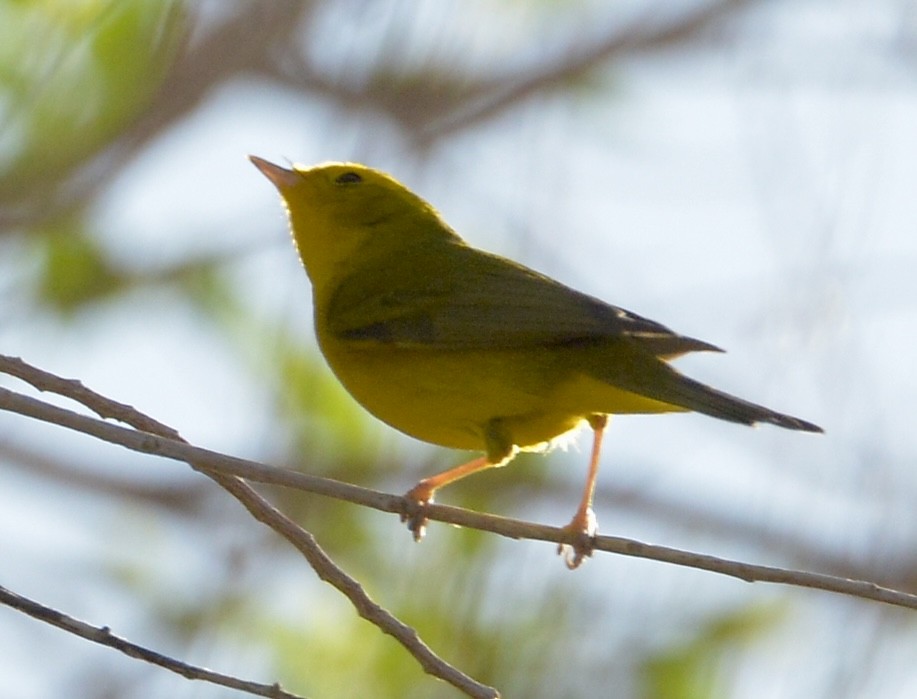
x=639 y=372
x=691 y=394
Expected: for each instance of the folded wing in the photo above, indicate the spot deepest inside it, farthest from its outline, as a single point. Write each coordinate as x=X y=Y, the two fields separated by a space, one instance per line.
x=462 y=298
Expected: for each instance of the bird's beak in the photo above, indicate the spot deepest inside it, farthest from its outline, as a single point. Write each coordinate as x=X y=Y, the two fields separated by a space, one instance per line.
x=280 y=176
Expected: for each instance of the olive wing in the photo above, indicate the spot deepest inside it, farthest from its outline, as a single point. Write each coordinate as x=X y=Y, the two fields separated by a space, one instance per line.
x=453 y=296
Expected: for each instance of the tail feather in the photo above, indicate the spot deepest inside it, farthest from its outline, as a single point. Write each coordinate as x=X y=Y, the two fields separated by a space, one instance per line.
x=637 y=371
x=696 y=396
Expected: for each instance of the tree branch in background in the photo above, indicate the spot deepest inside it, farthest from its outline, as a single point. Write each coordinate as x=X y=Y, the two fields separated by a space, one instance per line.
x=103 y=636
x=491 y=98
x=178 y=498
x=265 y=40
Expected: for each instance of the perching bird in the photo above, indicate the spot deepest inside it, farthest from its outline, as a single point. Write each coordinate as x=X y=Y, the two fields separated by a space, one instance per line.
x=469 y=350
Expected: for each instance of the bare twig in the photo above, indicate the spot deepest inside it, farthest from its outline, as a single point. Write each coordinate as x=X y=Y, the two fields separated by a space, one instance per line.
x=153 y=434
x=103 y=636
x=515 y=529
x=492 y=99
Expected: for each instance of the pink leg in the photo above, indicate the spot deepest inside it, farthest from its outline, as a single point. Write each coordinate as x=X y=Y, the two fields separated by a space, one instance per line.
x=583 y=526
x=422 y=493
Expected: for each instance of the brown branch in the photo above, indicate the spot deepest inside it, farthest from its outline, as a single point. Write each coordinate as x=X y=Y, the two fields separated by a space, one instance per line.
x=511 y=528
x=153 y=435
x=493 y=99
x=794 y=545
x=103 y=636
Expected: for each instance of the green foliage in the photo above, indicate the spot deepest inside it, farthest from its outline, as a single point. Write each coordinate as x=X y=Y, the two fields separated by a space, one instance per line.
x=523 y=648
x=693 y=669
x=74 y=270
x=72 y=76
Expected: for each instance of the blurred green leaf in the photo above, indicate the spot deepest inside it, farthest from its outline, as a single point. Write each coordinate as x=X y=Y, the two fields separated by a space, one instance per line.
x=74 y=270
x=693 y=669
x=72 y=75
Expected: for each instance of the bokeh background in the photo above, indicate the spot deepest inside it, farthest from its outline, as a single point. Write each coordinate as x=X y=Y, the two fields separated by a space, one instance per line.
x=744 y=172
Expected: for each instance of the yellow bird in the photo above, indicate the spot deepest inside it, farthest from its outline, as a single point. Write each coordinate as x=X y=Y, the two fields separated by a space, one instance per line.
x=465 y=349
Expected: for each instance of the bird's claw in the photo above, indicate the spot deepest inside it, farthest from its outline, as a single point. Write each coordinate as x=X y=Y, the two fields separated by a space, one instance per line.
x=414 y=510
x=581 y=538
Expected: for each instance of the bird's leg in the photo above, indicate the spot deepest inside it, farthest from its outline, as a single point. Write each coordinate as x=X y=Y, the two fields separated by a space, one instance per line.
x=421 y=494
x=500 y=451
x=583 y=526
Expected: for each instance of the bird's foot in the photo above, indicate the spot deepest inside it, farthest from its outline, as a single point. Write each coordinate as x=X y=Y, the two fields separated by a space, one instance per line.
x=414 y=509
x=580 y=538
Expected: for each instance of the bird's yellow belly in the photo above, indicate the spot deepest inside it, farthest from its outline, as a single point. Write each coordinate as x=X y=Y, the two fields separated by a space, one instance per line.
x=449 y=397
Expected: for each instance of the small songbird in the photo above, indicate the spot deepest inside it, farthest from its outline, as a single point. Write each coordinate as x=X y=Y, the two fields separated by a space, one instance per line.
x=465 y=349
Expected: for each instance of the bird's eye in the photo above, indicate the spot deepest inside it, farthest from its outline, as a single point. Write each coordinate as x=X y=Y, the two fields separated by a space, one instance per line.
x=348 y=178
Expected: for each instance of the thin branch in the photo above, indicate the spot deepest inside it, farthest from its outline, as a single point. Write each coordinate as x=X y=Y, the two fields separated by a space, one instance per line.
x=635 y=38
x=103 y=636
x=511 y=528
x=181 y=497
x=429 y=110
x=151 y=434
x=795 y=545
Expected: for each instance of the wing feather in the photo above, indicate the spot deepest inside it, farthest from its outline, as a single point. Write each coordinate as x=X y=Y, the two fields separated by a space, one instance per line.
x=462 y=298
